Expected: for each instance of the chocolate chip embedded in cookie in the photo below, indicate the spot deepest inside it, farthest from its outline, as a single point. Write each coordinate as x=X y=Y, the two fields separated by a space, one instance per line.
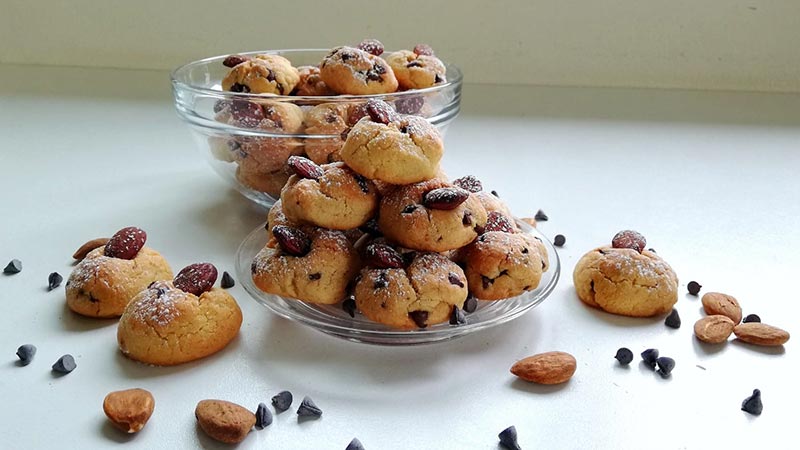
x=310 y=83
x=262 y=74
x=349 y=70
x=416 y=71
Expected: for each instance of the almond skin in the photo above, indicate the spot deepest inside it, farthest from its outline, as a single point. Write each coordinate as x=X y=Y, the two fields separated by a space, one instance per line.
x=546 y=368
x=714 y=329
x=88 y=247
x=761 y=334
x=224 y=421
x=723 y=304
x=129 y=410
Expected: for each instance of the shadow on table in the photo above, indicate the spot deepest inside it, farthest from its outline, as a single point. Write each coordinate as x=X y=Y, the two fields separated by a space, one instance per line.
x=72 y=321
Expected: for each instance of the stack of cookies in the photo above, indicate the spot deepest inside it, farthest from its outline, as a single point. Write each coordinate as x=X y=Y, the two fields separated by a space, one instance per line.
x=385 y=232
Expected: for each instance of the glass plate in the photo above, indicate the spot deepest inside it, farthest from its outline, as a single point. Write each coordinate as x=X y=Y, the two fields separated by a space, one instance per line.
x=333 y=320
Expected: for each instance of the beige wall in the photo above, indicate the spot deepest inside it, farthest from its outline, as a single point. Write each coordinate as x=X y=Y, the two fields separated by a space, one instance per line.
x=710 y=44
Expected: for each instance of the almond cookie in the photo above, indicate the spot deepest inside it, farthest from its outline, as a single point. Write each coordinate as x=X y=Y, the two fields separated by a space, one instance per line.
x=270 y=183
x=421 y=294
x=173 y=322
x=103 y=283
x=261 y=155
x=416 y=71
x=393 y=148
x=432 y=216
x=329 y=196
x=310 y=264
x=348 y=70
x=625 y=282
x=326 y=119
x=262 y=74
x=310 y=83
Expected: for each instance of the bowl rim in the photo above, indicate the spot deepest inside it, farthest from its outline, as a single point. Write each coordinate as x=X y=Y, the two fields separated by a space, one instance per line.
x=452 y=81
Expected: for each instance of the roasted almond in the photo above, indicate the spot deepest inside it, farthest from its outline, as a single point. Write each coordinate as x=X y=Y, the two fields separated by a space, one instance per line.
x=88 y=247
x=546 y=368
x=469 y=183
x=126 y=243
x=498 y=222
x=380 y=111
x=761 y=334
x=292 y=240
x=196 y=278
x=629 y=239
x=722 y=304
x=713 y=329
x=129 y=410
x=445 y=198
x=382 y=256
x=235 y=60
x=305 y=168
x=224 y=421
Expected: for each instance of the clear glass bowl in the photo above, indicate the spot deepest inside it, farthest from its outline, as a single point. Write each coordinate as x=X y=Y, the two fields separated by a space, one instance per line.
x=333 y=320
x=200 y=102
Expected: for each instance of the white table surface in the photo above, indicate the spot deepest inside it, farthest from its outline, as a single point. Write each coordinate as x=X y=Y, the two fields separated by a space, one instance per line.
x=710 y=178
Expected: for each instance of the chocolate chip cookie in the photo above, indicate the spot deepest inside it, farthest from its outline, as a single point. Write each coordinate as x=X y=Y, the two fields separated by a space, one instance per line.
x=262 y=74
x=415 y=71
x=348 y=70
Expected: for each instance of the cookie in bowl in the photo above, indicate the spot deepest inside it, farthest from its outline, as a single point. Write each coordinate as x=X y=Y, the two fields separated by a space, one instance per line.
x=261 y=74
x=310 y=83
x=417 y=69
x=326 y=119
x=348 y=70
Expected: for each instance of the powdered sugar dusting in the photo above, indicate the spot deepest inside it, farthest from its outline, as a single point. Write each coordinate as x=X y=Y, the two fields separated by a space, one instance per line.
x=157 y=306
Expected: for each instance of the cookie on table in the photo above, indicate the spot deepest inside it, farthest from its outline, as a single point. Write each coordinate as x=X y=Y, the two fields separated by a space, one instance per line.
x=310 y=83
x=176 y=321
x=269 y=183
x=414 y=296
x=310 y=264
x=432 y=216
x=417 y=69
x=270 y=153
x=329 y=196
x=626 y=280
x=348 y=70
x=326 y=119
x=393 y=148
x=262 y=74
x=103 y=283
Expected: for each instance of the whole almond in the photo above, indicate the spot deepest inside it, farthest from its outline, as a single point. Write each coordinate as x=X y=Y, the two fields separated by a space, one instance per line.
x=293 y=241
x=305 y=168
x=126 y=243
x=496 y=221
x=382 y=256
x=723 y=304
x=196 y=278
x=224 y=421
x=445 y=198
x=714 y=329
x=129 y=410
x=88 y=247
x=629 y=239
x=546 y=368
x=761 y=334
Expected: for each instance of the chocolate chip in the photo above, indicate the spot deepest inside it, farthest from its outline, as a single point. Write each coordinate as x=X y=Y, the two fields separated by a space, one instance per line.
x=673 y=320
x=751 y=318
x=694 y=287
x=652 y=250
x=270 y=75
x=227 y=281
x=282 y=401
x=234 y=60
x=346 y=56
x=423 y=49
x=349 y=306
x=54 y=280
x=629 y=239
x=457 y=317
x=362 y=183
x=469 y=183
x=380 y=282
x=371 y=46
x=409 y=105
x=408 y=257
x=263 y=416
x=559 y=240
x=508 y=438
x=455 y=280
x=495 y=194
x=373 y=75
x=307 y=408
x=237 y=87
x=371 y=228
x=344 y=134
x=650 y=356
x=524 y=250
x=665 y=366
x=541 y=216
x=65 y=364
x=26 y=353
x=470 y=304
x=409 y=209
x=14 y=266
x=419 y=317
x=437 y=79
x=624 y=356
x=753 y=403
x=467 y=219
x=314 y=276
x=355 y=444
x=486 y=281
x=414 y=64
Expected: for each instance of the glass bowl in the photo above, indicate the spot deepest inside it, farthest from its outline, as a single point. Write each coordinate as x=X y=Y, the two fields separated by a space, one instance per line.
x=333 y=320
x=202 y=104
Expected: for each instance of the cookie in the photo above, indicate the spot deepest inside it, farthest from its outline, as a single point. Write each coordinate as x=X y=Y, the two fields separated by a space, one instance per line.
x=411 y=216
x=262 y=74
x=164 y=325
x=334 y=197
x=326 y=119
x=313 y=264
x=396 y=149
x=625 y=282
x=490 y=201
x=268 y=153
x=348 y=70
x=500 y=265
x=310 y=83
x=416 y=71
x=422 y=294
x=270 y=183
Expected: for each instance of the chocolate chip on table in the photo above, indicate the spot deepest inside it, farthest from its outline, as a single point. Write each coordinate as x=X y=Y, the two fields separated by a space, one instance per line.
x=751 y=318
x=263 y=416
x=624 y=356
x=495 y=194
x=541 y=216
x=650 y=356
x=419 y=317
x=349 y=306
x=305 y=168
x=292 y=241
x=753 y=403
x=665 y=365
x=423 y=49
x=65 y=364
x=307 y=408
x=196 y=278
x=234 y=60
x=629 y=239
x=371 y=46
x=457 y=317
x=282 y=401
x=559 y=240
x=470 y=304
x=227 y=281
x=25 y=353
x=673 y=320
x=355 y=444
x=54 y=280
x=14 y=266
x=508 y=438
x=694 y=287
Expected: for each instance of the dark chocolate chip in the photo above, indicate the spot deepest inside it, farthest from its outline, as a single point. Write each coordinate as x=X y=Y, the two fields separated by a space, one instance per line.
x=314 y=276
x=652 y=250
x=54 y=280
x=694 y=287
x=346 y=56
x=419 y=317
x=227 y=281
x=437 y=79
x=234 y=60
x=237 y=87
x=362 y=183
x=508 y=438
x=467 y=219
x=282 y=401
x=355 y=444
x=624 y=356
x=270 y=75
x=751 y=318
x=454 y=279
x=559 y=240
x=650 y=356
x=65 y=364
x=371 y=227
x=470 y=304
x=373 y=75
x=263 y=416
x=665 y=366
x=673 y=320
x=349 y=306
x=14 y=266
x=753 y=403
x=253 y=267
x=457 y=317
x=524 y=250
x=495 y=194
x=307 y=408
x=380 y=282
x=26 y=353
x=409 y=209
x=414 y=64
x=541 y=216
x=486 y=281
